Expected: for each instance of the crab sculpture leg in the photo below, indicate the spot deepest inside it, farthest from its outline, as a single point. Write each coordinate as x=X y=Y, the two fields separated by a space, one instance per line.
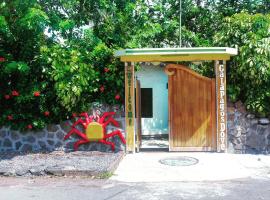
x=80 y=134
x=112 y=134
x=110 y=119
x=85 y=122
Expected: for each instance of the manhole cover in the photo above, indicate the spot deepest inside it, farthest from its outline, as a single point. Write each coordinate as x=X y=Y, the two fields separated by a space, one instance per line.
x=179 y=161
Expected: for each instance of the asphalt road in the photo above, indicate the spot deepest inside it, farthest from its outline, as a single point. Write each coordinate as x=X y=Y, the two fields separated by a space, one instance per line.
x=87 y=189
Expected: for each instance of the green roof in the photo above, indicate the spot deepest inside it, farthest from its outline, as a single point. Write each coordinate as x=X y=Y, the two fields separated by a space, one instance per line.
x=176 y=54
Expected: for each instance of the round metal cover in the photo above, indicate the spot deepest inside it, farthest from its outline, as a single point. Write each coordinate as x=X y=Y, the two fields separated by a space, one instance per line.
x=179 y=161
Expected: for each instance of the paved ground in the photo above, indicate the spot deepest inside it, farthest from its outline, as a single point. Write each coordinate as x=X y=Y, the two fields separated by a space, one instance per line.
x=145 y=167
x=141 y=176
x=86 y=189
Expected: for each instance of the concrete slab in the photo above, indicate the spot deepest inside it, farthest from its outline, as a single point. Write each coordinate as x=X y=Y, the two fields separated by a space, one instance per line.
x=145 y=167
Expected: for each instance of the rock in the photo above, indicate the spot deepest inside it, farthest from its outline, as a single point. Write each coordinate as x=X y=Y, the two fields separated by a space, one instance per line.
x=58 y=144
x=60 y=135
x=7 y=143
x=69 y=145
x=230 y=117
x=264 y=121
x=252 y=151
x=3 y=170
x=261 y=130
x=238 y=146
x=238 y=104
x=3 y=133
x=240 y=107
x=50 y=135
x=21 y=172
x=230 y=148
x=256 y=143
x=36 y=147
x=37 y=171
x=52 y=128
x=18 y=145
x=26 y=147
x=230 y=110
x=14 y=135
x=50 y=142
x=59 y=170
x=250 y=116
x=10 y=173
x=30 y=139
x=65 y=126
x=41 y=134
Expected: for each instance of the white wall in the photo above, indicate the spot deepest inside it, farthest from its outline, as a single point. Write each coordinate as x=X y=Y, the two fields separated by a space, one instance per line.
x=154 y=77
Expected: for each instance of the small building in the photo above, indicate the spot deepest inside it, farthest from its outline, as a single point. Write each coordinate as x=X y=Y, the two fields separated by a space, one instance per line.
x=172 y=99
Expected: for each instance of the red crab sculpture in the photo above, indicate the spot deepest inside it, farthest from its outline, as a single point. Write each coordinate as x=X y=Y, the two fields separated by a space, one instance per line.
x=95 y=129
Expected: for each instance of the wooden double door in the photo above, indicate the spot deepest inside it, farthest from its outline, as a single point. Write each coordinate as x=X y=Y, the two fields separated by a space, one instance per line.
x=192 y=110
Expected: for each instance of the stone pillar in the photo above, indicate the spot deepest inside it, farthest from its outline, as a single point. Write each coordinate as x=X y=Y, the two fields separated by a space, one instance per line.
x=221 y=98
x=129 y=107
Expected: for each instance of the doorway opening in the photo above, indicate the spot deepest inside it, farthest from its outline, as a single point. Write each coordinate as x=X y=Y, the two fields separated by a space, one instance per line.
x=152 y=132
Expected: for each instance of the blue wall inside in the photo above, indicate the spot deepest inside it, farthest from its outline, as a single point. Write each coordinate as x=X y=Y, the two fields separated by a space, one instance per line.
x=152 y=76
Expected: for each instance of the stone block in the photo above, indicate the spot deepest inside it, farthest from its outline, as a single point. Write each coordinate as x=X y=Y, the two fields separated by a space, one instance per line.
x=37 y=171
x=14 y=135
x=42 y=145
x=18 y=145
x=52 y=128
x=50 y=135
x=230 y=118
x=7 y=143
x=238 y=104
x=230 y=110
x=250 y=116
x=60 y=135
x=30 y=139
x=26 y=148
x=51 y=142
x=258 y=142
x=41 y=134
x=261 y=129
x=264 y=121
x=22 y=172
x=66 y=126
x=3 y=133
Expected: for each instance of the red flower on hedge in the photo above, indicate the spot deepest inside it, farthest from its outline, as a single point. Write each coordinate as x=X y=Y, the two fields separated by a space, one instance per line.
x=10 y=117
x=46 y=113
x=29 y=126
x=106 y=69
x=2 y=59
x=117 y=97
x=7 y=96
x=74 y=115
x=37 y=93
x=15 y=93
x=102 y=88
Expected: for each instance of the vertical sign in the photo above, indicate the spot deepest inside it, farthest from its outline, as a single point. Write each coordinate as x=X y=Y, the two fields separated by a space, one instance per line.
x=129 y=106
x=220 y=67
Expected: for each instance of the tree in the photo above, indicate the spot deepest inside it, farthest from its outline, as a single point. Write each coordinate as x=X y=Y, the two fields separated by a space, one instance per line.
x=249 y=75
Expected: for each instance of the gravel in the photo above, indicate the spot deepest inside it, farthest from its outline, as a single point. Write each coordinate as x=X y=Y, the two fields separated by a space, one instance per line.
x=59 y=163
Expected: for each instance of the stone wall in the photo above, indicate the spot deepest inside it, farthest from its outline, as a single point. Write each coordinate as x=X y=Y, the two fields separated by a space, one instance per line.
x=246 y=132
x=51 y=137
